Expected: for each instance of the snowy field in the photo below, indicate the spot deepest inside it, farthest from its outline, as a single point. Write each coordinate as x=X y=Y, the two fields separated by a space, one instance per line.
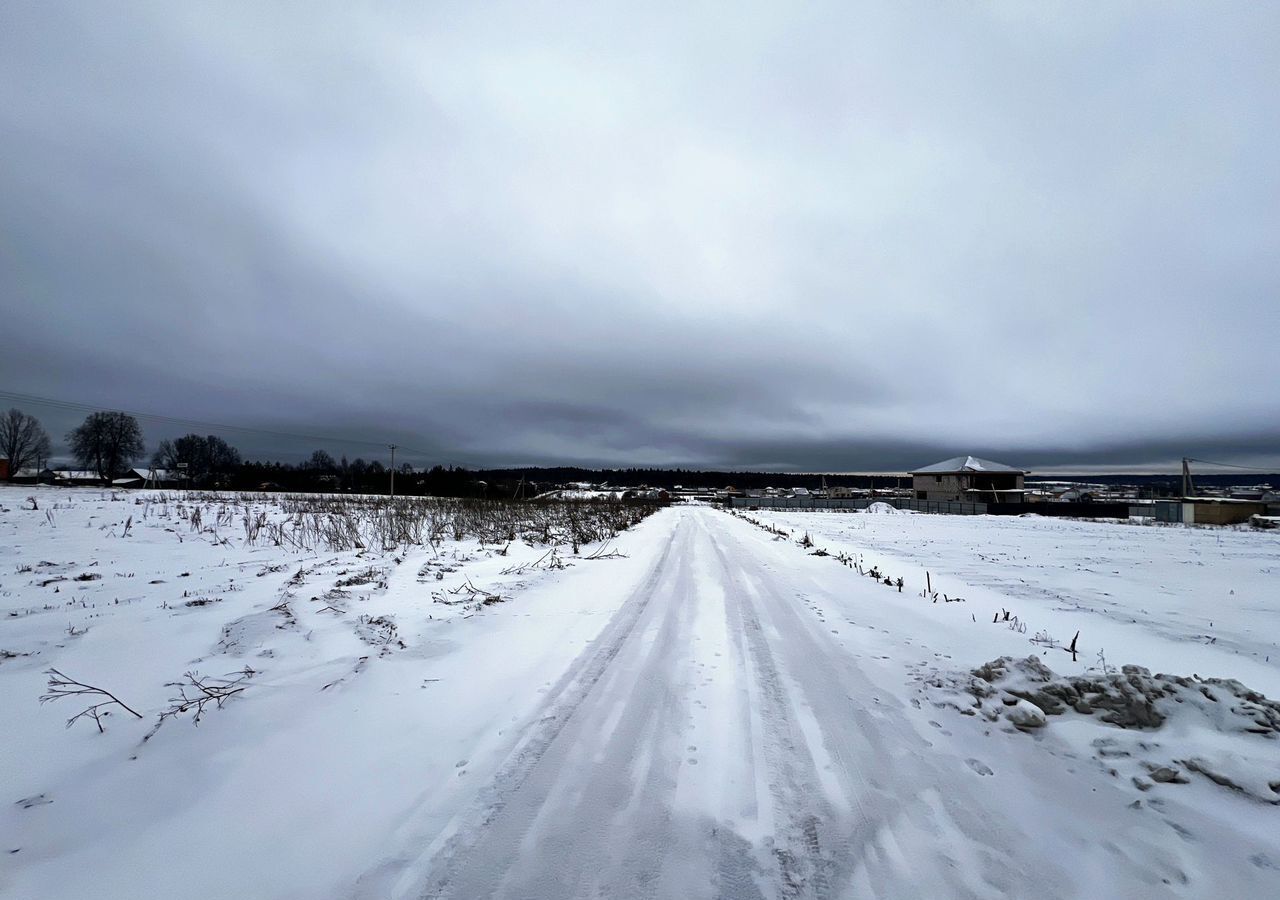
x=358 y=708
x=1180 y=599
x=700 y=706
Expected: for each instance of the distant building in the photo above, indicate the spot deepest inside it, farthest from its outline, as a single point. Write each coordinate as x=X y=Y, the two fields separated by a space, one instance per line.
x=969 y=479
x=1208 y=510
x=33 y=475
x=77 y=477
x=158 y=478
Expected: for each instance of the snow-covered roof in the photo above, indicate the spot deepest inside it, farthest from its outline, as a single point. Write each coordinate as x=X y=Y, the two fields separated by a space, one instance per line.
x=77 y=474
x=958 y=465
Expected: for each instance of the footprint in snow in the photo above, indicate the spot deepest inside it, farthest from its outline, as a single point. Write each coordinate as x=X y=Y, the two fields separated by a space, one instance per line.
x=980 y=767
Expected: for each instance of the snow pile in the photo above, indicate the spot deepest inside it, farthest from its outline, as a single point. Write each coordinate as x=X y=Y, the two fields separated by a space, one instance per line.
x=883 y=509
x=1215 y=727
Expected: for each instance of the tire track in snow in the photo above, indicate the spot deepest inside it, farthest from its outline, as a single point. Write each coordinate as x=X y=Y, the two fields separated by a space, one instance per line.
x=807 y=846
x=452 y=855
x=900 y=786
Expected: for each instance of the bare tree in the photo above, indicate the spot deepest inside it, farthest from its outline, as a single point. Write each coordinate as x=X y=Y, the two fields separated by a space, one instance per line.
x=205 y=457
x=167 y=456
x=23 y=440
x=321 y=461
x=107 y=443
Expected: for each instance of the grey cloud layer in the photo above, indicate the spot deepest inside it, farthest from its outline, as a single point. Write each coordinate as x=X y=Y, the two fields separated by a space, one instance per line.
x=825 y=238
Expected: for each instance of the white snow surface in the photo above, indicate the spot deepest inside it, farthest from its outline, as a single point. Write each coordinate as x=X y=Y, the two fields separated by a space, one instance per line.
x=717 y=712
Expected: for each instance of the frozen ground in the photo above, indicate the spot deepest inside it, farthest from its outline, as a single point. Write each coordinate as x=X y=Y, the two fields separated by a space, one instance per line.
x=715 y=712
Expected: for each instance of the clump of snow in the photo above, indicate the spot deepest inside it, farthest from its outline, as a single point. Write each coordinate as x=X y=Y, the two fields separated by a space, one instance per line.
x=1025 y=715
x=1217 y=727
x=1130 y=698
x=883 y=509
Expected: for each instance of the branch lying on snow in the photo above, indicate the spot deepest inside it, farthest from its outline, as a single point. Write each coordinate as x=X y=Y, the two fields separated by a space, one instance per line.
x=197 y=691
x=549 y=560
x=472 y=594
x=600 y=553
x=62 y=686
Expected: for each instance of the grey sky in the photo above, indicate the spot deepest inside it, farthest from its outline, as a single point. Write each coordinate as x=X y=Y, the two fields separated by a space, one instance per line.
x=834 y=236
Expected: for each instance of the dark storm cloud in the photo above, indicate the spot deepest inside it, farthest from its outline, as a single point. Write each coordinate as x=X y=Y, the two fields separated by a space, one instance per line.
x=830 y=238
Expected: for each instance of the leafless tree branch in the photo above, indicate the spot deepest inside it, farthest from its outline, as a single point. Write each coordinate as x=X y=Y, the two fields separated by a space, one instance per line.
x=61 y=686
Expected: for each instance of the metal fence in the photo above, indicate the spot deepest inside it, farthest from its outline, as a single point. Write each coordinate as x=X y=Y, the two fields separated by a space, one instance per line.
x=1063 y=509
x=1161 y=511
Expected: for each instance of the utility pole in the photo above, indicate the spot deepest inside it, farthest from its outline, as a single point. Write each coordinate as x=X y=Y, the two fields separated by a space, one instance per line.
x=393 y=471
x=1188 y=486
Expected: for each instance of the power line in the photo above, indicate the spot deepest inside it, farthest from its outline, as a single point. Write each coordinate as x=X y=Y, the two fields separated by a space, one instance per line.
x=1209 y=462
x=74 y=406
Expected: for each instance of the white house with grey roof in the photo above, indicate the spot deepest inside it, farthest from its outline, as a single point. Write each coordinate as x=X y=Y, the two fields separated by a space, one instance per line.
x=969 y=479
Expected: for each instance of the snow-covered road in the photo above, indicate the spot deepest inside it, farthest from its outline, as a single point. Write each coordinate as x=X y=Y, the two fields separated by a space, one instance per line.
x=731 y=733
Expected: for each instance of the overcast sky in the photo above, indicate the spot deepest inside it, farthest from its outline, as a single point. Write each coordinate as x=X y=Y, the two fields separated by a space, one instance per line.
x=823 y=236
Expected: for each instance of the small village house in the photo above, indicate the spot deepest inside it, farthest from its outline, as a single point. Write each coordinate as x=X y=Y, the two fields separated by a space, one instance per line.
x=969 y=479
x=32 y=475
x=152 y=477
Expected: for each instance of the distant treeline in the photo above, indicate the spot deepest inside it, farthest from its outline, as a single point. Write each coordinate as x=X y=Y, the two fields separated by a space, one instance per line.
x=690 y=478
x=322 y=472
x=110 y=443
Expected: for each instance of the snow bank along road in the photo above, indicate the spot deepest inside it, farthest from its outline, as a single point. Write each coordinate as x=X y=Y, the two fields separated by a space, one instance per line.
x=720 y=714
